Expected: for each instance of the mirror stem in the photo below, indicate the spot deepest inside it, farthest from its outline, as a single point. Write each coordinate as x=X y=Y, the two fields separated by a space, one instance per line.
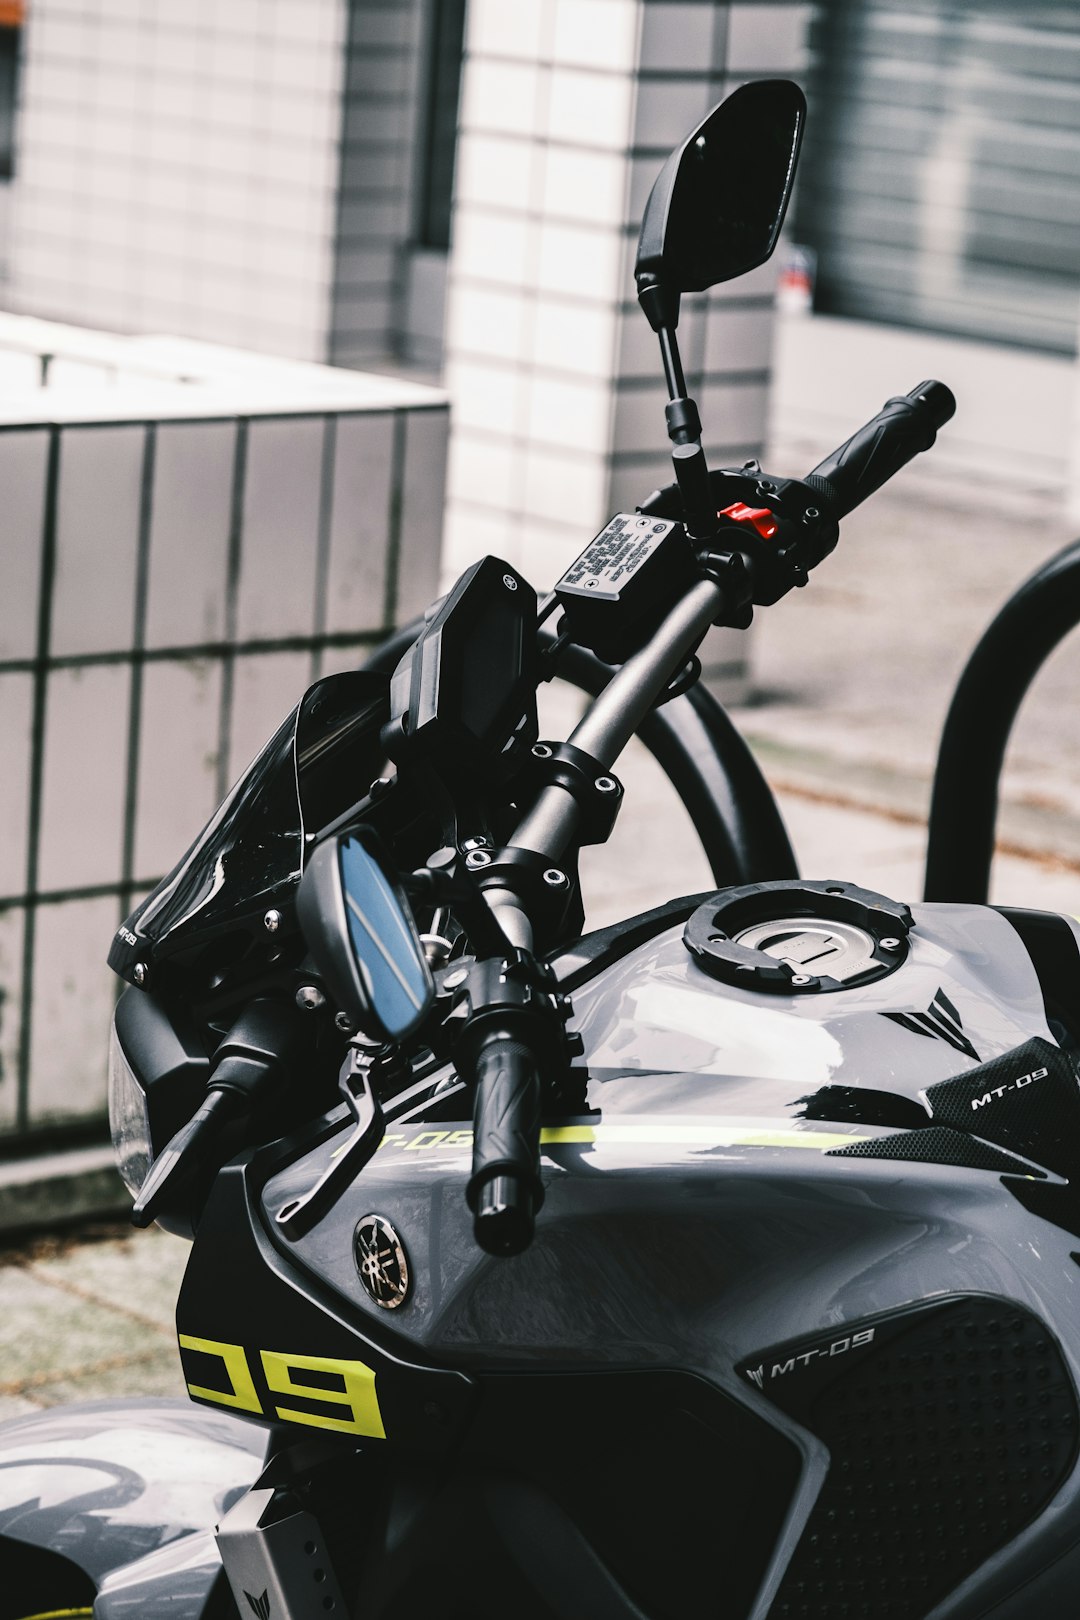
x=684 y=431
x=673 y=371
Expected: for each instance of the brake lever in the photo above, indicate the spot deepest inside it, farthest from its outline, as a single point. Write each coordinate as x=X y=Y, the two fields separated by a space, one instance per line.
x=296 y=1218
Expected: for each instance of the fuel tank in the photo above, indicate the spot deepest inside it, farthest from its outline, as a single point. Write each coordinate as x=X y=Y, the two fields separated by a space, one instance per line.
x=753 y=1164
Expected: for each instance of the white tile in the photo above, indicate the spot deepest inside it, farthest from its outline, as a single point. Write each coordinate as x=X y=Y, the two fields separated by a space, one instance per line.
x=585 y=185
x=576 y=414
x=739 y=339
x=176 y=97
x=771 y=37
x=494 y=170
x=111 y=181
x=639 y=418
x=596 y=34
x=634 y=480
x=565 y=486
x=360 y=521
x=486 y=398
x=16 y=698
x=734 y=413
x=189 y=533
x=500 y=97
x=484 y=472
x=486 y=322
x=669 y=109
x=178 y=751
x=573 y=337
x=97 y=527
x=67 y=128
x=282 y=490
x=315 y=73
x=118 y=42
x=82 y=816
x=113 y=92
x=580 y=262
x=170 y=141
x=590 y=109
x=74 y=994
x=497 y=29
x=675 y=37
x=491 y=247
x=64 y=84
x=23 y=466
x=423 y=499
x=11 y=958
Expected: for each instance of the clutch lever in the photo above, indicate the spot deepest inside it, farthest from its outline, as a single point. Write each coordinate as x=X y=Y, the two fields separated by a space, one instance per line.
x=296 y=1218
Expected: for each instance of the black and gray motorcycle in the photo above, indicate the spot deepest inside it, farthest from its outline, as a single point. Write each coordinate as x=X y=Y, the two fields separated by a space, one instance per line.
x=720 y=1263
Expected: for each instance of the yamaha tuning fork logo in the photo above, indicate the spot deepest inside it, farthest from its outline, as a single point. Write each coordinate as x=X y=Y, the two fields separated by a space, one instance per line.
x=381 y=1261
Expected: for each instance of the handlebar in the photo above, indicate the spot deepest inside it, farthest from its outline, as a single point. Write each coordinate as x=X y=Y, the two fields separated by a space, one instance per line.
x=505 y=1189
x=903 y=427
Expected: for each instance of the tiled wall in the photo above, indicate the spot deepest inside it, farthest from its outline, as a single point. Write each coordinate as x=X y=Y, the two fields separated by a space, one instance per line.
x=569 y=109
x=170 y=589
x=177 y=168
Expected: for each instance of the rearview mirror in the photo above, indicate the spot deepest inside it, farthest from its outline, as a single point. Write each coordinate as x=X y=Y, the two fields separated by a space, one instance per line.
x=361 y=933
x=717 y=205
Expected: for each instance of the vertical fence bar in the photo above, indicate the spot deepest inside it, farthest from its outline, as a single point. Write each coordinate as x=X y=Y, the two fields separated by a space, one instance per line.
x=37 y=772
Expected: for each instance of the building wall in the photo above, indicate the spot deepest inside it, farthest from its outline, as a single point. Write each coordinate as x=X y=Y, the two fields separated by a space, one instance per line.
x=569 y=109
x=177 y=168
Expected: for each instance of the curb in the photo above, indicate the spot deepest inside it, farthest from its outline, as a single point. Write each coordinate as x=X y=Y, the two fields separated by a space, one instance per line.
x=55 y=1189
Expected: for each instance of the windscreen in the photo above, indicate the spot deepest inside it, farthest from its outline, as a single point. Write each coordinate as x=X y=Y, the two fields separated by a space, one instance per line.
x=250 y=856
x=246 y=857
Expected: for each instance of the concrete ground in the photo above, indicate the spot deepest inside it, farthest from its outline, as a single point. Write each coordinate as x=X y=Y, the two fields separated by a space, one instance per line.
x=853 y=677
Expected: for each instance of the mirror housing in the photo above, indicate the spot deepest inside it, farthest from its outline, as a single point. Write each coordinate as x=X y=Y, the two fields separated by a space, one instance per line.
x=361 y=934
x=717 y=205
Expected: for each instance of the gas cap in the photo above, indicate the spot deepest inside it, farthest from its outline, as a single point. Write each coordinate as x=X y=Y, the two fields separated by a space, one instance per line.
x=792 y=938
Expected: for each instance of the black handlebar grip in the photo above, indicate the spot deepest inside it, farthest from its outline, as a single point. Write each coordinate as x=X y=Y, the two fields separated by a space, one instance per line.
x=505 y=1190
x=904 y=426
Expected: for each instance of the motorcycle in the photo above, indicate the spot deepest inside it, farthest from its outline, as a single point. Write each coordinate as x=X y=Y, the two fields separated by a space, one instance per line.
x=720 y=1262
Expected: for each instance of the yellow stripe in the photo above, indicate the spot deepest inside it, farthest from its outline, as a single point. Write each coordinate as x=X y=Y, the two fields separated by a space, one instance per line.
x=57 y=1614
x=656 y=1134
x=567 y=1133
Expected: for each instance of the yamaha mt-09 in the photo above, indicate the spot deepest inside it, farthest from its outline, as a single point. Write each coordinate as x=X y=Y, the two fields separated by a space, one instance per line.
x=718 y=1263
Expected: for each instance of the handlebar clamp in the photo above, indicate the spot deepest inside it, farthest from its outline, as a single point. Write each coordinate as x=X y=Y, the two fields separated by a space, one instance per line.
x=597 y=794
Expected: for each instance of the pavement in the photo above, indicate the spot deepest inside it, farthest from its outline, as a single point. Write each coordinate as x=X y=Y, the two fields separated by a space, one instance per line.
x=852 y=680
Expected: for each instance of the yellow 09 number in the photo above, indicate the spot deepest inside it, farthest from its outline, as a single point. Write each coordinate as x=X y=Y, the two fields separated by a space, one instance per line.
x=346 y=1384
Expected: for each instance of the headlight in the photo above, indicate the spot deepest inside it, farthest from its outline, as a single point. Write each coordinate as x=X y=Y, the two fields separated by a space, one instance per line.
x=129 y=1118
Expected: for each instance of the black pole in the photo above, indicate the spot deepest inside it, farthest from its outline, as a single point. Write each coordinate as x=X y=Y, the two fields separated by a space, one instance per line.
x=963 y=810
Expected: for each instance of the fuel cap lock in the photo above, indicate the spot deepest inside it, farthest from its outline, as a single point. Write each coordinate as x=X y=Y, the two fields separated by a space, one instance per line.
x=794 y=937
